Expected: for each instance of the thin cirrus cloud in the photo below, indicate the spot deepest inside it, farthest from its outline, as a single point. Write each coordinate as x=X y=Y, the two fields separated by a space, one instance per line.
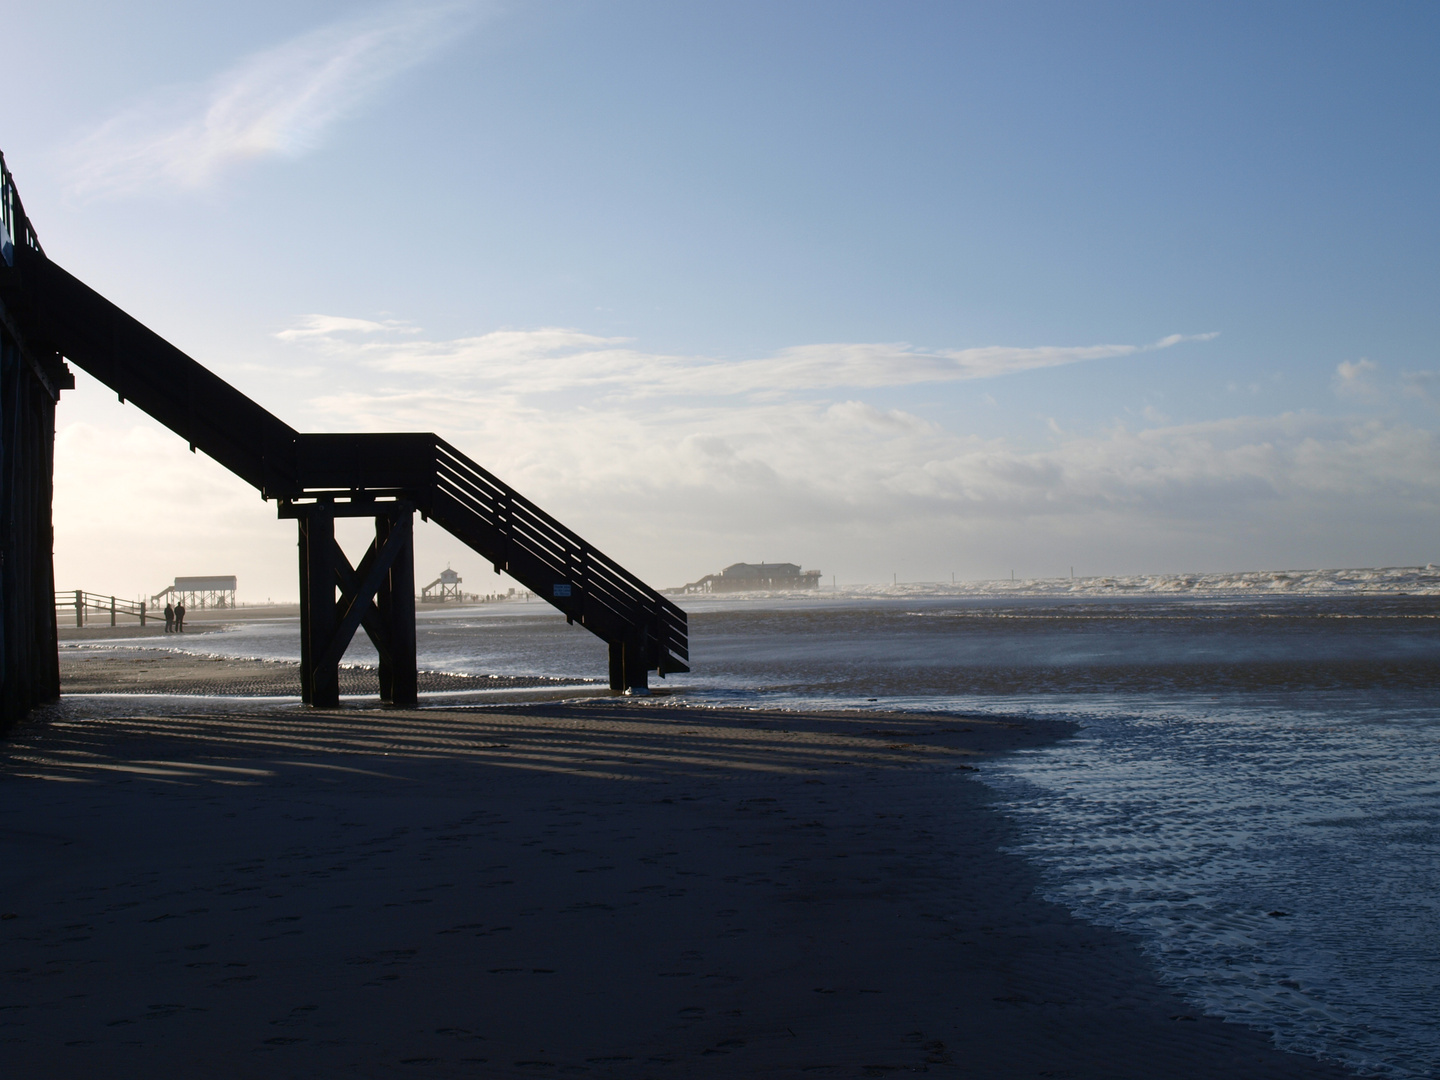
x=279 y=102
x=556 y=359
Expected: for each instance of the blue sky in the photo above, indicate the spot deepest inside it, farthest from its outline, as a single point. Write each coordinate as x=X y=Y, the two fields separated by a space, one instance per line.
x=880 y=288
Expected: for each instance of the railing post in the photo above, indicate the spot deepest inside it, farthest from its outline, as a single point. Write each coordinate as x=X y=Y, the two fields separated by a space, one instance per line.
x=504 y=524
x=79 y=607
x=142 y=612
x=112 y=611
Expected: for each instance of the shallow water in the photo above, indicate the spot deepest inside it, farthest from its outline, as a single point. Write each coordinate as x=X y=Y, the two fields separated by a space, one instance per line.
x=1278 y=853
x=1255 y=791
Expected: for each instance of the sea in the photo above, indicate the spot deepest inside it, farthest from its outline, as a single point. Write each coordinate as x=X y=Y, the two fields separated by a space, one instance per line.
x=1253 y=790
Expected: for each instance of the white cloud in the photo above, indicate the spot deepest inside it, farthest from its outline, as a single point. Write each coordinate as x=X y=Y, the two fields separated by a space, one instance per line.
x=786 y=452
x=1154 y=416
x=1176 y=339
x=1424 y=385
x=278 y=102
x=665 y=426
x=553 y=360
x=853 y=455
x=1356 y=379
x=325 y=326
x=676 y=484
x=674 y=490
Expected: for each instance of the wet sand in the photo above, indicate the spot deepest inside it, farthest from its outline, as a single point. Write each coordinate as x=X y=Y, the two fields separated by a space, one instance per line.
x=197 y=621
x=134 y=670
x=604 y=889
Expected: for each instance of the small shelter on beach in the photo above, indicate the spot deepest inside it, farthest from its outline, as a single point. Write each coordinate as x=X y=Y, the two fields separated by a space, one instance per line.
x=216 y=591
x=443 y=588
x=746 y=577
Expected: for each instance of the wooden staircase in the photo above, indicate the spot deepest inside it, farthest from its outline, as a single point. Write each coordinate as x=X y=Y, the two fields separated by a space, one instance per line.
x=315 y=478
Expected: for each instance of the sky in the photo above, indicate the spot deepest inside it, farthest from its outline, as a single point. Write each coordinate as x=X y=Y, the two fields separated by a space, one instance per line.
x=894 y=291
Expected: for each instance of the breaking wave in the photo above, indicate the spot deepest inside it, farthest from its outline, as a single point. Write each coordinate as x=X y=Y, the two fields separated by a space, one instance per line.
x=1378 y=581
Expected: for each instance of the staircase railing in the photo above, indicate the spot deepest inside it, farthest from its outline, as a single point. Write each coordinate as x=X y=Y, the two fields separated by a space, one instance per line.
x=514 y=534
x=552 y=560
x=13 y=222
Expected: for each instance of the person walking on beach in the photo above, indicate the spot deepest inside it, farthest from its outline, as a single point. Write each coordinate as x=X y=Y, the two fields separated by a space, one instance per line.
x=180 y=617
x=169 y=617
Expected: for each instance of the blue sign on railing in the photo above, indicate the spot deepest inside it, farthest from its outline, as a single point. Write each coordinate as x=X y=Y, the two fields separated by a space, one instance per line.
x=561 y=590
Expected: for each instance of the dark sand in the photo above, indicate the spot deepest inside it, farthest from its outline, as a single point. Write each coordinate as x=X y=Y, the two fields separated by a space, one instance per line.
x=603 y=889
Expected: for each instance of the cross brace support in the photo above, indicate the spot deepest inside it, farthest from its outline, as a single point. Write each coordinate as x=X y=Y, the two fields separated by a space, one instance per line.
x=378 y=595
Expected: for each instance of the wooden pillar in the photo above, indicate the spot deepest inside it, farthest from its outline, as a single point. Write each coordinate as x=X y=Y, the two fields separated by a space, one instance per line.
x=395 y=604
x=617 y=665
x=29 y=655
x=629 y=672
x=318 y=686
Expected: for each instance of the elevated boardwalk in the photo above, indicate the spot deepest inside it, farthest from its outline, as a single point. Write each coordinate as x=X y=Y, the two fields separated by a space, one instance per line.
x=317 y=478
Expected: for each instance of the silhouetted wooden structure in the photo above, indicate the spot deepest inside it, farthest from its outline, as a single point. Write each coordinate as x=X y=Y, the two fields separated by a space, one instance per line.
x=746 y=577
x=443 y=589
x=313 y=478
x=84 y=603
x=214 y=591
x=32 y=375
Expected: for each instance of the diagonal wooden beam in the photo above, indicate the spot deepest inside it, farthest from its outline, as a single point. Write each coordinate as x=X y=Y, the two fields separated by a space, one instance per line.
x=348 y=578
x=362 y=600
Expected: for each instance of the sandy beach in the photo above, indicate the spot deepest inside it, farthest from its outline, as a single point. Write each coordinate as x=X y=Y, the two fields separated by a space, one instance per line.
x=603 y=888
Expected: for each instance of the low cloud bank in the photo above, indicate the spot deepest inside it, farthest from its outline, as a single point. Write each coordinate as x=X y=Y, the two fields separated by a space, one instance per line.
x=676 y=479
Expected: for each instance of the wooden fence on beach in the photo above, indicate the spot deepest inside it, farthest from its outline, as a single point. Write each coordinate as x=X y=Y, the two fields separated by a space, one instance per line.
x=83 y=603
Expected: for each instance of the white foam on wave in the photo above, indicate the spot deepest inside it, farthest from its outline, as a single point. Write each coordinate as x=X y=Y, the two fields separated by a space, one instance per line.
x=1376 y=581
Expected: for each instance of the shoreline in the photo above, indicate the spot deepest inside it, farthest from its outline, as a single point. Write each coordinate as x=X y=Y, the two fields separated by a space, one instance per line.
x=612 y=888
x=144 y=670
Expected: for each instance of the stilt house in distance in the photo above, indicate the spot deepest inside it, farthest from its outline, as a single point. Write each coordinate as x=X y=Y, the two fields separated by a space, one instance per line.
x=750 y=577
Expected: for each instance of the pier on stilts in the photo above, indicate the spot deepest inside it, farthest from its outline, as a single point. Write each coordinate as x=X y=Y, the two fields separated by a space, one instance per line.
x=48 y=314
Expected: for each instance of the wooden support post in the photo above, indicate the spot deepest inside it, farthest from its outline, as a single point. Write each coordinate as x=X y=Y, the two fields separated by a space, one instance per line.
x=379 y=595
x=142 y=612
x=79 y=607
x=319 y=675
x=628 y=670
x=395 y=604
x=112 y=611
x=617 y=666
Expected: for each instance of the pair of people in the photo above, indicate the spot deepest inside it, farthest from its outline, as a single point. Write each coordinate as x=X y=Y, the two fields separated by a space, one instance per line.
x=175 y=618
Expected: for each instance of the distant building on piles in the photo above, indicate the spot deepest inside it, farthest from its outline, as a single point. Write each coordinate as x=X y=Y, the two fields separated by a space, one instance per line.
x=443 y=588
x=215 y=591
x=746 y=577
